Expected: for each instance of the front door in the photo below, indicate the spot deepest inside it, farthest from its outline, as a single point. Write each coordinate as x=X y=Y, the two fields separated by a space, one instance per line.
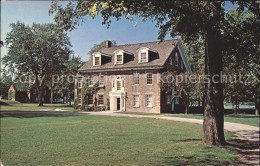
x=118 y=104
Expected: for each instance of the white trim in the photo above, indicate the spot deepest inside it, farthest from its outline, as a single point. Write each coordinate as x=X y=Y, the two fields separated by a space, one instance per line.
x=183 y=56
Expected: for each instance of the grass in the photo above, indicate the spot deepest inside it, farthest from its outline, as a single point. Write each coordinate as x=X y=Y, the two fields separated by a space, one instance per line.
x=17 y=106
x=252 y=120
x=98 y=140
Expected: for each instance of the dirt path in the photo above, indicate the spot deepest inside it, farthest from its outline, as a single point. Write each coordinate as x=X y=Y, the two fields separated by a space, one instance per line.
x=247 y=136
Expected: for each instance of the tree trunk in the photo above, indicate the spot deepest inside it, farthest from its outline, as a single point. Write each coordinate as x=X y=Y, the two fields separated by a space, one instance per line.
x=52 y=95
x=213 y=122
x=40 y=90
x=256 y=104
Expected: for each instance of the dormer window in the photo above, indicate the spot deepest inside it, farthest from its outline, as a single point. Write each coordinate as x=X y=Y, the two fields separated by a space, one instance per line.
x=119 y=59
x=144 y=57
x=97 y=61
x=176 y=59
x=100 y=58
x=146 y=54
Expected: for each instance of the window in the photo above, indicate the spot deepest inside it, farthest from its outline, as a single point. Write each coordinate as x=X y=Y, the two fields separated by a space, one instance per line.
x=90 y=99
x=79 y=82
x=136 y=100
x=101 y=80
x=143 y=57
x=169 y=98
x=97 y=61
x=90 y=80
x=177 y=101
x=149 y=78
x=100 y=99
x=118 y=85
x=149 y=100
x=176 y=59
x=119 y=59
x=136 y=78
x=170 y=60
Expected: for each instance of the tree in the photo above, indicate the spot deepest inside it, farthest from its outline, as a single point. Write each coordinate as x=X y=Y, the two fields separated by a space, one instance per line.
x=36 y=50
x=189 y=19
x=5 y=83
x=97 y=47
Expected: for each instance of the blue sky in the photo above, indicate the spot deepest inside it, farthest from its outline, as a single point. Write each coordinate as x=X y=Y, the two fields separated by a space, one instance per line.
x=86 y=35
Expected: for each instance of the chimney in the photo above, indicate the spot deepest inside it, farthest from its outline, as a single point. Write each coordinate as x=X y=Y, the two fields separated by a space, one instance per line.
x=108 y=43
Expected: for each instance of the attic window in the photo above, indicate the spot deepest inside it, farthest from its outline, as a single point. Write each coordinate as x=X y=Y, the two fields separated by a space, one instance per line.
x=97 y=61
x=176 y=59
x=143 y=57
x=119 y=59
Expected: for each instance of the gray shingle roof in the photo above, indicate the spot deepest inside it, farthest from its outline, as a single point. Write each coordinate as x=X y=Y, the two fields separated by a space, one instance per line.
x=163 y=48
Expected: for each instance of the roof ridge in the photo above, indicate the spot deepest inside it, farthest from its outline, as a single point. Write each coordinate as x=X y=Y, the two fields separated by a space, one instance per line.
x=143 y=43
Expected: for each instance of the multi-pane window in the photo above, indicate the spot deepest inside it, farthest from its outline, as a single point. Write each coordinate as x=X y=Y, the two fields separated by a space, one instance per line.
x=177 y=101
x=97 y=61
x=176 y=59
x=90 y=99
x=101 y=80
x=169 y=98
x=79 y=82
x=100 y=99
x=118 y=85
x=149 y=78
x=143 y=57
x=136 y=100
x=90 y=80
x=119 y=59
x=149 y=100
x=136 y=78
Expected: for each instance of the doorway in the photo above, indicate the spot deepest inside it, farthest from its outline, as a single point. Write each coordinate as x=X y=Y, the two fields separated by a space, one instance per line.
x=117 y=103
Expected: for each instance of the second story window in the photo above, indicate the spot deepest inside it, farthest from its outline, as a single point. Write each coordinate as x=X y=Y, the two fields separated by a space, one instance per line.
x=79 y=82
x=118 y=85
x=176 y=59
x=90 y=80
x=97 y=61
x=136 y=78
x=149 y=78
x=119 y=59
x=143 y=57
x=101 y=80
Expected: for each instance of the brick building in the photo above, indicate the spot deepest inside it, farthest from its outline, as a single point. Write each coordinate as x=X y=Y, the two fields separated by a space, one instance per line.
x=129 y=75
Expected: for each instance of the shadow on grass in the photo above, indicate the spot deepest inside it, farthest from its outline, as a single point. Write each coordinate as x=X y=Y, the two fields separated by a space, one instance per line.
x=26 y=114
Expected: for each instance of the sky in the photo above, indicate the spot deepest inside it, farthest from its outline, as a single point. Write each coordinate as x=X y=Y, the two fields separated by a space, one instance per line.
x=90 y=32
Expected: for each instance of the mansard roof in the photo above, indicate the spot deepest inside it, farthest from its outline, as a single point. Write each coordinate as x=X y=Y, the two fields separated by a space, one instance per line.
x=163 y=49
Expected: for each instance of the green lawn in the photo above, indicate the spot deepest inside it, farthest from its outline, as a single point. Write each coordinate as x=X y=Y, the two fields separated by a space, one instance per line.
x=100 y=140
x=17 y=106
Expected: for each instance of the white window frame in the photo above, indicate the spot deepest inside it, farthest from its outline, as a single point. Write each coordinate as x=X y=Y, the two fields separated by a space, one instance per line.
x=119 y=62
x=147 y=78
x=120 y=82
x=90 y=80
x=141 y=51
x=176 y=59
x=80 y=80
x=135 y=80
x=136 y=100
x=148 y=100
x=99 y=80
